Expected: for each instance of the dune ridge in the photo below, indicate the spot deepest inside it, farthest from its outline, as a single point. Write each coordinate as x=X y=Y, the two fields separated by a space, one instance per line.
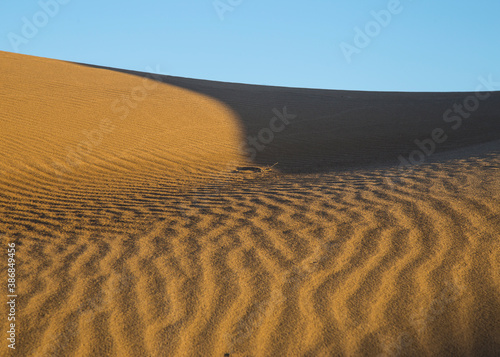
x=155 y=244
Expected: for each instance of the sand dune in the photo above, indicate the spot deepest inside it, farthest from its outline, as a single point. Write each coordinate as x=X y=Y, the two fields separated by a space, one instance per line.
x=139 y=231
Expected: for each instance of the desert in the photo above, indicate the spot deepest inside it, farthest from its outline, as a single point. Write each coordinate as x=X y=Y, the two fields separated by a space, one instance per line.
x=155 y=215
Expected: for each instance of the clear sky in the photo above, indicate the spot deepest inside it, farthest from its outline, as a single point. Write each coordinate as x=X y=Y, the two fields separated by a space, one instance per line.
x=416 y=45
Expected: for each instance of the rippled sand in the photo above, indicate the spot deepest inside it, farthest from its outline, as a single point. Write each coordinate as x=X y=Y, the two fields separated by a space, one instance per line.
x=137 y=234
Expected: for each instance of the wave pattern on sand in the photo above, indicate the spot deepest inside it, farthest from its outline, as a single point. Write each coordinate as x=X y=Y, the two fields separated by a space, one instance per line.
x=161 y=240
x=280 y=265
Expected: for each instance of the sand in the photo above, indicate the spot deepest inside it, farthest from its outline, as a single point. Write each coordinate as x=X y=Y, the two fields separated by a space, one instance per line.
x=148 y=223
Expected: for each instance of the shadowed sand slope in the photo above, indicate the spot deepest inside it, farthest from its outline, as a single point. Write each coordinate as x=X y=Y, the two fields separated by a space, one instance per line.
x=142 y=229
x=327 y=129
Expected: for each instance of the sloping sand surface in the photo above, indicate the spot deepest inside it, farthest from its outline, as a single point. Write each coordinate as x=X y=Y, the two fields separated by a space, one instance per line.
x=143 y=228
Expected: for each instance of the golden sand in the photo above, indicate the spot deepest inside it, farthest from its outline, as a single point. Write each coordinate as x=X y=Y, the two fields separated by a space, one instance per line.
x=145 y=224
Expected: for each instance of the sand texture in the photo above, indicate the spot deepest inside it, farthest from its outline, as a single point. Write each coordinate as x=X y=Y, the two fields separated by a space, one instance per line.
x=165 y=216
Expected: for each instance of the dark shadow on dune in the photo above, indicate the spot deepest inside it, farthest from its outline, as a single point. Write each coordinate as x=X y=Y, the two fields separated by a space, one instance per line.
x=330 y=129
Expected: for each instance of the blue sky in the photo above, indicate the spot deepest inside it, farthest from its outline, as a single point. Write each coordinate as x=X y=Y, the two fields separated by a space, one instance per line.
x=422 y=45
